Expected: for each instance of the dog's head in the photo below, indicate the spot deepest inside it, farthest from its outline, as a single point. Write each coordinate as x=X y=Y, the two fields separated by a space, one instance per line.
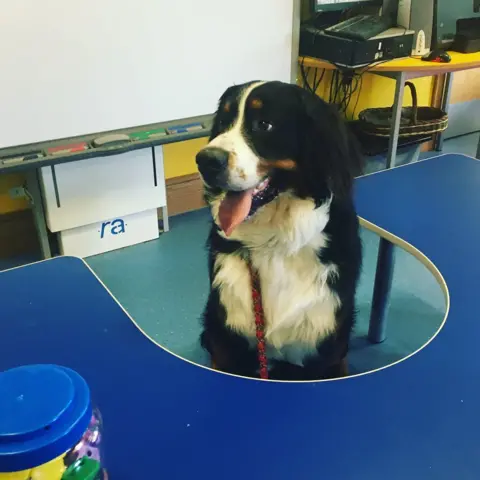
x=272 y=137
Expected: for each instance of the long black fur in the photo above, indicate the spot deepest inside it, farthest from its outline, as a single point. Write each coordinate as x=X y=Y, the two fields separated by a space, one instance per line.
x=310 y=132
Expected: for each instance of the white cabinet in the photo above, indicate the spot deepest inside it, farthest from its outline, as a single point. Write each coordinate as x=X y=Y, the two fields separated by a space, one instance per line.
x=87 y=201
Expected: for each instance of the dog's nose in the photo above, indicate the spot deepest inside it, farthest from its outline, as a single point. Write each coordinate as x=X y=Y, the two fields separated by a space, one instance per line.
x=212 y=160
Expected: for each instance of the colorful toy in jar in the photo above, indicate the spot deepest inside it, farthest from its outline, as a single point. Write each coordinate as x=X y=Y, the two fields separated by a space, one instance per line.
x=48 y=427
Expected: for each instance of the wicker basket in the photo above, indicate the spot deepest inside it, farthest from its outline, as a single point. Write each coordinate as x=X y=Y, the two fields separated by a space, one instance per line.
x=414 y=120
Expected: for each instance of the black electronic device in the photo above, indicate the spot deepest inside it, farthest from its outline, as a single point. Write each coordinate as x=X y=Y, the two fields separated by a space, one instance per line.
x=447 y=13
x=361 y=27
x=467 y=38
x=393 y=43
x=438 y=56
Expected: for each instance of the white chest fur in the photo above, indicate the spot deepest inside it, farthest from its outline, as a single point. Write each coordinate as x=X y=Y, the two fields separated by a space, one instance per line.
x=284 y=238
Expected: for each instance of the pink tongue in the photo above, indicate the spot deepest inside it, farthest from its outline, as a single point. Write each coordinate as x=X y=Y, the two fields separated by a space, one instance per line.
x=234 y=209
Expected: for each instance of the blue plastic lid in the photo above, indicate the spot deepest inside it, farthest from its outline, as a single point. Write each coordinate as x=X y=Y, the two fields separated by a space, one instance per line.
x=44 y=411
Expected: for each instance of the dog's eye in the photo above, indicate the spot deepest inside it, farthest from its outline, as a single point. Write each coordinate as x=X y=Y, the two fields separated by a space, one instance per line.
x=262 y=126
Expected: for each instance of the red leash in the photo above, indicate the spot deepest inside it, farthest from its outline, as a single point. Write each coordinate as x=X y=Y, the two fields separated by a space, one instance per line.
x=259 y=322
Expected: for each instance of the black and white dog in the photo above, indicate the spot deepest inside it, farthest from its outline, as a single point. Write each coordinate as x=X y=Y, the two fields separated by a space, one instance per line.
x=278 y=173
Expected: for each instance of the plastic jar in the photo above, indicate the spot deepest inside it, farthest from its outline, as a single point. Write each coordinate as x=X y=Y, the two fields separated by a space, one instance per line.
x=48 y=427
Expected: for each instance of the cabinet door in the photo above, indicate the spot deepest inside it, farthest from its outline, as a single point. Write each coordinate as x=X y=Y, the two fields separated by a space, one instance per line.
x=87 y=191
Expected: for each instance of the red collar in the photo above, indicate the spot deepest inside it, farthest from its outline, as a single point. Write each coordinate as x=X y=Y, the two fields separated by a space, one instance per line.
x=259 y=322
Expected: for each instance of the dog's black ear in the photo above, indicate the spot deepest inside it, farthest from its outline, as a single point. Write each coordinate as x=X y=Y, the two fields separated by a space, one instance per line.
x=329 y=151
x=230 y=94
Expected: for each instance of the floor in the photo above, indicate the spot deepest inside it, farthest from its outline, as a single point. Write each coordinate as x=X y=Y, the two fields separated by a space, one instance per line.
x=163 y=285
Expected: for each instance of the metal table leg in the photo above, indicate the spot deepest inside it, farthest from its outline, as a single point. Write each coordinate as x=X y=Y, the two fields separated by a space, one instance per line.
x=36 y=202
x=166 y=223
x=385 y=259
x=381 y=292
x=447 y=89
x=397 y=110
x=478 y=147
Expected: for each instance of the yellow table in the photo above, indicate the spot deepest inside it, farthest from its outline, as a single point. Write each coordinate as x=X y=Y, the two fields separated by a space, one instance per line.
x=411 y=66
x=404 y=69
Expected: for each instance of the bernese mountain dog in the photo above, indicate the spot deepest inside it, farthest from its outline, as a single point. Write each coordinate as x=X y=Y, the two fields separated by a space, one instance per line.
x=278 y=173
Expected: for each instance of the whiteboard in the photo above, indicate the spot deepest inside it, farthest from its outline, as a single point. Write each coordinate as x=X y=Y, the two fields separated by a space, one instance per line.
x=71 y=67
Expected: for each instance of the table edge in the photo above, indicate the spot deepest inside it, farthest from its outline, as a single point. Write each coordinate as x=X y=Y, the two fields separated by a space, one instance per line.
x=429 y=69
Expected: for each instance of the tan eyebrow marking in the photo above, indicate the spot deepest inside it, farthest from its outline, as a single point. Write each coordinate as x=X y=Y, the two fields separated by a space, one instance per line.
x=256 y=103
x=284 y=164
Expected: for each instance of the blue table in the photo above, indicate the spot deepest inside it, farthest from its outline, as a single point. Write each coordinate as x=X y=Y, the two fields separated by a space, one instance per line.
x=168 y=418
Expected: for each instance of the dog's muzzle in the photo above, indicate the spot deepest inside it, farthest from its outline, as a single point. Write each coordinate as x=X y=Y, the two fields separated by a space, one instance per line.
x=212 y=164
